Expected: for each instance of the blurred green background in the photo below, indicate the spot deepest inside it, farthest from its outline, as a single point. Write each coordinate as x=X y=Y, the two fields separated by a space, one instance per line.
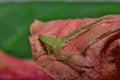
x=15 y=19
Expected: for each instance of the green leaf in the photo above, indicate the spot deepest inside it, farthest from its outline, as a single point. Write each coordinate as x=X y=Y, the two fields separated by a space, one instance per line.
x=15 y=19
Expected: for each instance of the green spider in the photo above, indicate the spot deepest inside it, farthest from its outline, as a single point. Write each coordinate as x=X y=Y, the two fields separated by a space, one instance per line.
x=55 y=44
